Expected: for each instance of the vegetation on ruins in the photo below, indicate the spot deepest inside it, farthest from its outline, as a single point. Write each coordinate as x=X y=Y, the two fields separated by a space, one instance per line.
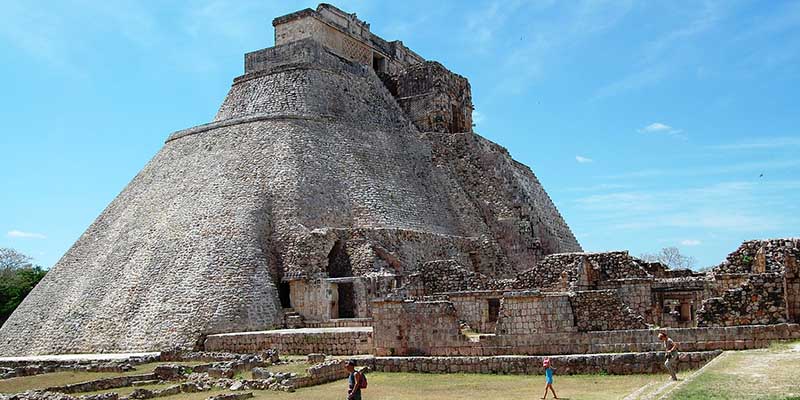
x=18 y=276
x=671 y=257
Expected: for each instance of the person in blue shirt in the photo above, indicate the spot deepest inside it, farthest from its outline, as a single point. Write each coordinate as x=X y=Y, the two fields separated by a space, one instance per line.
x=548 y=378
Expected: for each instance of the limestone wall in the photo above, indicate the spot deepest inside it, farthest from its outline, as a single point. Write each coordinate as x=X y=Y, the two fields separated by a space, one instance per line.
x=759 y=301
x=792 y=288
x=433 y=98
x=506 y=201
x=309 y=24
x=480 y=310
x=305 y=141
x=333 y=341
x=532 y=312
x=450 y=276
x=617 y=364
x=413 y=328
x=760 y=256
x=584 y=271
x=603 y=310
x=635 y=293
x=318 y=374
x=431 y=328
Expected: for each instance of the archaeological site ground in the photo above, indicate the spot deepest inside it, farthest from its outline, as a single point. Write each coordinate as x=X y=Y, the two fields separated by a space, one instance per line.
x=340 y=206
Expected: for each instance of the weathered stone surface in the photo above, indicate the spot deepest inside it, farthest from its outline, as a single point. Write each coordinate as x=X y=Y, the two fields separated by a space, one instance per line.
x=760 y=300
x=308 y=148
x=617 y=363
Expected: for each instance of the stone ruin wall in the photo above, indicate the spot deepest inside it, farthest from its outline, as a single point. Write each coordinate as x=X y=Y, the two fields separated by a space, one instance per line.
x=433 y=98
x=436 y=328
x=637 y=294
x=532 y=312
x=633 y=291
x=415 y=328
x=616 y=364
x=792 y=288
x=347 y=342
x=473 y=308
x=346 y=36
x=759 y=301
x=510 y=202
x=603 y=310
x=757 y=283
x=310 y=26
x=760 y=256
x=584 y=270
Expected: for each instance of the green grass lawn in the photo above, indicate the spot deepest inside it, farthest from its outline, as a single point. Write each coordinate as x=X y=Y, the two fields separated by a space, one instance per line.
x=772 y=374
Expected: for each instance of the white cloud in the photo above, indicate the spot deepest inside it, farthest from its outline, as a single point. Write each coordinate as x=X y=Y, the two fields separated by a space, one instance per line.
x=583 y=160
x=25 y=235
x=691 y=242
x=658 y=127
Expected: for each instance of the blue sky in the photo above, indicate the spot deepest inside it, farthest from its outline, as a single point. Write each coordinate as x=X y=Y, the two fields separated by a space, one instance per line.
x=650 y=124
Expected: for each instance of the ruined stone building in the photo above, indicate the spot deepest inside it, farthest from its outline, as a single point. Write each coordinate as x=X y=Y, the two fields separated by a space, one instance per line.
x=339 y=165
x=341 y=185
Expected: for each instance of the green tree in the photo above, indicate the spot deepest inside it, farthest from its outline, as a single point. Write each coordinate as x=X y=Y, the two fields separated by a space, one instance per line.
x=17 y=278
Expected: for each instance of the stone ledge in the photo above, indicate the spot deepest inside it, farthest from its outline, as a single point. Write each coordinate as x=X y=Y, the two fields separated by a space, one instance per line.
x=243 y=120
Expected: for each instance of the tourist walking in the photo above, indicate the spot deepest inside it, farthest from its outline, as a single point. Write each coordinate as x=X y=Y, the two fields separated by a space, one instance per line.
x=355 y=381
x=672 y=354
x=548 y=378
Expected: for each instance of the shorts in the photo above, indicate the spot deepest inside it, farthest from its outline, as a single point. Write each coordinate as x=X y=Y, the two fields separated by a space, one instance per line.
x=548 y=380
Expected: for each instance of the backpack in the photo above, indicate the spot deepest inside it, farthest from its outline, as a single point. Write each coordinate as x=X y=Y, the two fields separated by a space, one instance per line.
x=362 y=383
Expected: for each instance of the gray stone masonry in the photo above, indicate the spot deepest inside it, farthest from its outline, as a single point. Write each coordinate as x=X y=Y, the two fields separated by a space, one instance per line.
x=617 y=363
x=334 y=341
x=309 y=139
x=760 y=300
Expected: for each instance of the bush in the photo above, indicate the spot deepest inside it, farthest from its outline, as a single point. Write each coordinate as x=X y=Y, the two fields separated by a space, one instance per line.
x=17 y=279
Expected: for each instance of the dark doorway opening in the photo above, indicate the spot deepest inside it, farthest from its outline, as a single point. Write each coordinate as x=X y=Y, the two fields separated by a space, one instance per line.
x=347 y=301
x=494 y=310
x=339 y=265
x=284 y=292
x=378 y=62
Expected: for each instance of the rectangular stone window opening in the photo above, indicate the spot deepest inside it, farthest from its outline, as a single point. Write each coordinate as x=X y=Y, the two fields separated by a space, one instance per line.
x=378 y=62
x=494 y=309
x=347 y=303
x=284 y=292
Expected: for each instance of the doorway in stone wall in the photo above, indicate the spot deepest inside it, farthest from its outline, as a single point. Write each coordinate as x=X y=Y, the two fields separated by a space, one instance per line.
x=284 y=293
x=378 y=62
x=347 y=302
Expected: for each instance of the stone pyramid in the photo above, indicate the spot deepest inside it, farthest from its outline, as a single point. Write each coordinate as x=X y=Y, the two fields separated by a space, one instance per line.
x=337 y=154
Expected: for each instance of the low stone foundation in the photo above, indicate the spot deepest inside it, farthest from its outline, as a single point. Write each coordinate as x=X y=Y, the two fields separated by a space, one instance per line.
x=333 y=341
x=447 y=342
x=318 y=374
x=618 y=364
